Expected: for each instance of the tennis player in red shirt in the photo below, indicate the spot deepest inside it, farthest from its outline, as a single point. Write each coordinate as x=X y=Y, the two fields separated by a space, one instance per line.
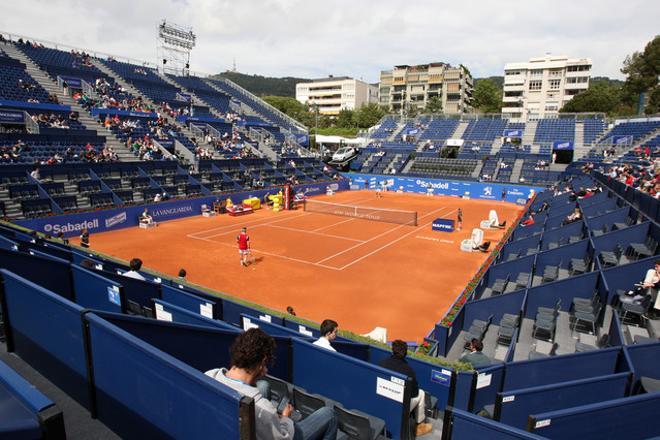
x=243 y=241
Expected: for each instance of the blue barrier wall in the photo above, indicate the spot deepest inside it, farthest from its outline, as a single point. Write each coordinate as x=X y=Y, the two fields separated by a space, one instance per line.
x=464 y=387
x=629 y=418
x=488 y=384
x=546 y=295
x=497 y=306
x=46 y=272
x=141 y=391
x=354 y=383
x=517 y=194
x=644 y=358
x=528 y=374
x=188 y=343
x=470 y=426
x=96 y=292
x=624 y=277
x=633 y=234
x=618 y=216
x=232 y=314
x=46 y=331
x=191 y=302
x=514 y=406
x=127 y=216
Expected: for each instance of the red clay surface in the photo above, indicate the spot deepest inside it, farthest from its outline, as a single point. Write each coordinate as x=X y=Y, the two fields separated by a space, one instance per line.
x=358 y=272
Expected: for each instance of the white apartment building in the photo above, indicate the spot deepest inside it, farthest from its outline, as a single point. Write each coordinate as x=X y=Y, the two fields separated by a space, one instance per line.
x=541 y=86
x=413 y=86
x=334 y=94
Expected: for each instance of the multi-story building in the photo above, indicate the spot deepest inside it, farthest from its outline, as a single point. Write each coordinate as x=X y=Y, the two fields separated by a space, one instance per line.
x=540 y=87
x=412 y=86
x=333 y=94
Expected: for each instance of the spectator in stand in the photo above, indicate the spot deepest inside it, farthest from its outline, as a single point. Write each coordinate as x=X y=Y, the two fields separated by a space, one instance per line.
x=35 y=174
x=135 y=265
x=182 y=275
x=60 y=236
x=290 y=311
x=573 y=217
x=329 y=329
x=475 y=357
x=397 y=362
x=84 y=238
x=251 y=353
x=529 y=221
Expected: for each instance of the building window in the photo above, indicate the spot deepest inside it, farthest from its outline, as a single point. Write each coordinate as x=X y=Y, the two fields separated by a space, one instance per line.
x=551 y=107
x=577 y=80
x=536 y=72
x=578 y=68
x=512 y=72
x=535 y=85
x=555 y=72
x=555 y=84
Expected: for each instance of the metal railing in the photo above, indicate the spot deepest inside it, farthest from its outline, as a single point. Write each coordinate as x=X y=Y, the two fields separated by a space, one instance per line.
x=30 y=125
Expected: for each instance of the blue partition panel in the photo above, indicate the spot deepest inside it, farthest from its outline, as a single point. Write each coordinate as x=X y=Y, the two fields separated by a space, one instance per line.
x=188 y=343
x=169 y=312
x=435 y=380
x=7 y=244
x=232 y=313
x=47 y=332
x=465 y=385
x=52 y=249
x=353 y=349
x=354 y=383
x=138 y=291
x=561 y=235
x=191 y=302
x=629 y=418
x=528 y=374
x=633 y=234
x=615 y=332
x=546 y=295
x=509 y=269
x=597 y=198
x=514 y=406
x=496 y=305
x=96 y=292
x=142 y=392
x=46 y=272
x=624 y=277
x=20 y=408
x=208 y=297
x=645 y=358
x=488 y=384
x=618 y=216
x=304 y=330
x=599 y=208
x=465 y=425
x=248 y=321
x=519 y=247
x=527 y=231
x=562 y=256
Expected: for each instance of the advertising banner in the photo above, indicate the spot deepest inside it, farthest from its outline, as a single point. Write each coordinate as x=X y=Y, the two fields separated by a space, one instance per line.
x=126 y=113
x=124 y=217
x=443 y=225
x=512 y=133
x=562 y=145
x=34 y=106
x=517 y=194
x=71 y=81
x=11 y=117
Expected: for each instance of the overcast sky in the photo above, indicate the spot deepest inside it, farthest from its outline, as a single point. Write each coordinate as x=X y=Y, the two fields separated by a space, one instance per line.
x=312 y=38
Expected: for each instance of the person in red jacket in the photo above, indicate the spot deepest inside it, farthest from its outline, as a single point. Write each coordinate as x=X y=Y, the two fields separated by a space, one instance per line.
x=243 y=241
x=529 y=221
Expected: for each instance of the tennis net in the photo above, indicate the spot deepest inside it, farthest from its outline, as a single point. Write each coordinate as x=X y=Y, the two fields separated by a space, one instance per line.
x=363 y=212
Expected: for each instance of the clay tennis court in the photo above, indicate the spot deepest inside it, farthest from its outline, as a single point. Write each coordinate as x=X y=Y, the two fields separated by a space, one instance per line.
x=361 y=273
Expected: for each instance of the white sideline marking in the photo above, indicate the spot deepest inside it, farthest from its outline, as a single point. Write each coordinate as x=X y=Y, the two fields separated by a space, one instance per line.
x=377 y=236
x=270 y=254
x=334 y=224
x=387 y=245
x=314 y=233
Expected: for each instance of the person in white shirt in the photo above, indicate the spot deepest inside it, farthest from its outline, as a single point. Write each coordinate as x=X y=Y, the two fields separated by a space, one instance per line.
x=329 y=330
x=136 y=265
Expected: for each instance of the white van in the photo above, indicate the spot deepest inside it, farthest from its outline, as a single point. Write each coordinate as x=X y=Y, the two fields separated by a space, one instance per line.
x=343 y=154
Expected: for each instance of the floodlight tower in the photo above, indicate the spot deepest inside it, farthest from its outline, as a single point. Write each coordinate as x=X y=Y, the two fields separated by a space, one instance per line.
x=175 y=43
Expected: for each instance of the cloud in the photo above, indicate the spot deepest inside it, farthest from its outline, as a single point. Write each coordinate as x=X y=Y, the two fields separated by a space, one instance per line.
x=341 y=37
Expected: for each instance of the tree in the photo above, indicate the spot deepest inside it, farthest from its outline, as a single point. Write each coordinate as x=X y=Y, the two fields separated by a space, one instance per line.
x=642 y=70
x=368 y=115
x=346 y=119
x=599 y=97
x=433 y=105
x=291 y=107
x=487 y=96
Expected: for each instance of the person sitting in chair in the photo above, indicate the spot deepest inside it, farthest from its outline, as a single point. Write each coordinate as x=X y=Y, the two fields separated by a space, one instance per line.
x=646 y=292
x=483 y=247
x=573 y=217
x=475 y=357
x=145 y=218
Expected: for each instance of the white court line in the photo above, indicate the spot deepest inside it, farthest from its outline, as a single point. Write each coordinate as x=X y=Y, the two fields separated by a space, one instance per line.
x=268 y=223
x=269 y=254
x=334 y=224
x=377 y=236
x=233 y=227
x=387 y=245
x=314 y=233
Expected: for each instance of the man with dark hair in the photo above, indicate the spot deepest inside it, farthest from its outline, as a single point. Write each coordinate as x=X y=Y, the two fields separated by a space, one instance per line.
x=251 y=353
x=475 y=356
x=397 y=362
x=328 y=333
x=136 y=265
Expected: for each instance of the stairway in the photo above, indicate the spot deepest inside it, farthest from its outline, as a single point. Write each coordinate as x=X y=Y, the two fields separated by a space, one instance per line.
x=477 y=170
x=397 y=131
x=135 y=92
x=496 y=146
x=529 y=133
x=579 y=149
x=460 y=130
x=516 y=170
x=13 y=210
x=84 y=117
